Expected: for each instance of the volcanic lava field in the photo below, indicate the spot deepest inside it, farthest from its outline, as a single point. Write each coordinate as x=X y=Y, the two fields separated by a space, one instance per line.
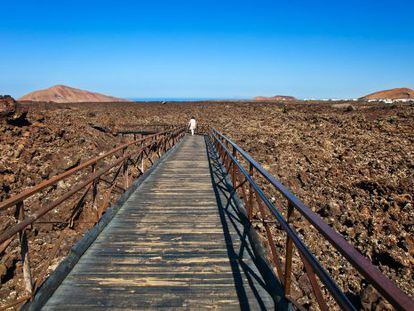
x=351 y=163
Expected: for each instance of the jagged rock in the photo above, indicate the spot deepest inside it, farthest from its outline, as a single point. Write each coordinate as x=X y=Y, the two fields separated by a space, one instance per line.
x=369 y=297
x=334 y=208
x=37 y=117
x=350 y=108
x=305 y=284
x=410 y=244
x=3 y=271
x=8 y=266
x=13 y=114
x=100 y=128
x=7 y=106
x=18 y=150
x=62 y=185
x=383 y=306
x=69 y=162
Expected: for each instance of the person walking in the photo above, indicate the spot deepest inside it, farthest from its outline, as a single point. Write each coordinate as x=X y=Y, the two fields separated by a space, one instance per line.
x=192 y=125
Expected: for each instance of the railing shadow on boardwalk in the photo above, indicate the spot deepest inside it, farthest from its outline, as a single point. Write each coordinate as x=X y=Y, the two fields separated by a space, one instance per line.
x=256 y=284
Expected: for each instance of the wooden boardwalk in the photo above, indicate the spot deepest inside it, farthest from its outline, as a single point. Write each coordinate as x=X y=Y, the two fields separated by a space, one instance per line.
x=170 y=246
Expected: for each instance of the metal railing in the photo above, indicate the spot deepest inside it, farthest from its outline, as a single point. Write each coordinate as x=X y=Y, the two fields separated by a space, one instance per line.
x=244 y=181
x=98 y=184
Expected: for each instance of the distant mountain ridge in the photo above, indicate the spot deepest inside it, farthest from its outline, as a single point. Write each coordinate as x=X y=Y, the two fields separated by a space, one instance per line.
x=66 y=94
x=277 y=97
x=393 y=94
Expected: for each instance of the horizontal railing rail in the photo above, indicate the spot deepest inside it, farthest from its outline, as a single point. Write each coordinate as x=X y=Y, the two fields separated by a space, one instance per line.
x=228 y=151
x=119 y=172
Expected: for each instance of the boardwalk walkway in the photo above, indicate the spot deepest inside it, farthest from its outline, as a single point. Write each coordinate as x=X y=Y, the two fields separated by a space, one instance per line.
x=175 y=243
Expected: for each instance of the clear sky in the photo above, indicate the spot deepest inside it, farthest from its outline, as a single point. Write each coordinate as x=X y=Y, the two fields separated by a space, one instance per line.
x=214 y=49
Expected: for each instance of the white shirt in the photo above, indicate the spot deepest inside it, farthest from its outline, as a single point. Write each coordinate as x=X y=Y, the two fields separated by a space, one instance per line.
x=192 y=124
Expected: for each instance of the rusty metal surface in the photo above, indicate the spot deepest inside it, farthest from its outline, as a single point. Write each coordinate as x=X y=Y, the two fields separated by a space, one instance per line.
x=229 y=151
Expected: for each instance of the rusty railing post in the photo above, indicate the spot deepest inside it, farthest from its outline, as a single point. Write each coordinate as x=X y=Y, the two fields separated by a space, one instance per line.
x=125 y=170
x=126 y=175
x=289 y=252
x=24 y=251
x=314 y=283
x=251 y=194
x=94 y=189
x=142 y=159
x=233 y=173
x=276 y=260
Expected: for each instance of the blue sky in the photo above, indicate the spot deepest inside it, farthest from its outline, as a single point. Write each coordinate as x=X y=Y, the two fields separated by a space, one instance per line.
x=213 y=49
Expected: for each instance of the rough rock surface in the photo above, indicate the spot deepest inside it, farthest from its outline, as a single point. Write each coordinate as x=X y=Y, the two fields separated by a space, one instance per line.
x=354 y=167
x=7 y=106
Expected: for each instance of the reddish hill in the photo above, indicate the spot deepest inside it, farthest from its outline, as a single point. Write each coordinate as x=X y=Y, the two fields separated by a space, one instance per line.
x=398 y=93
x=66 y=94
x=277 y=97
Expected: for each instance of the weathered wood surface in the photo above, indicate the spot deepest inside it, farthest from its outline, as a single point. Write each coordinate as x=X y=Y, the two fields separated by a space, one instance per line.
x=165 y=248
